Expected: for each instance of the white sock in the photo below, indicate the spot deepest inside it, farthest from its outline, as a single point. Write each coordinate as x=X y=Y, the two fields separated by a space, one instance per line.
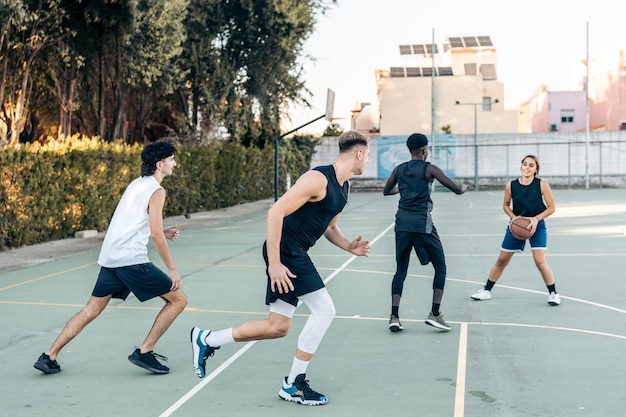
x=297 y=367
x=220 y=337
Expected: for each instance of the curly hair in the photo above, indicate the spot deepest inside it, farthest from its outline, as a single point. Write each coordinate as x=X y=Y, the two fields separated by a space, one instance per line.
x=154 y=153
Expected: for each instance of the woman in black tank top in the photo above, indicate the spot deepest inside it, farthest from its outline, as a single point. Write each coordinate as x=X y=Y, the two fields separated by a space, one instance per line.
x=530 y=197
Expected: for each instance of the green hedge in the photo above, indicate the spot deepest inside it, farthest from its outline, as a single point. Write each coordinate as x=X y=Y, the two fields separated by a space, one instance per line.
x=50 y=191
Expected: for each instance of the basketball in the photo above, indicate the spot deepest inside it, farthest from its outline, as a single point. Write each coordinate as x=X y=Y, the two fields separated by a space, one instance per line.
x=518 y=228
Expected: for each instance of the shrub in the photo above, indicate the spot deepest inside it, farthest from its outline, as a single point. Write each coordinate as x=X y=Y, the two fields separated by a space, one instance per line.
x=50 y=191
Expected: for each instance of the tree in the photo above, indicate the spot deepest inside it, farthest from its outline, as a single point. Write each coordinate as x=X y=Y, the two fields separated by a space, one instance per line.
x=151 y=63
x=28 y=29
x=142 y=69
x=333 y=129
x=244 y=63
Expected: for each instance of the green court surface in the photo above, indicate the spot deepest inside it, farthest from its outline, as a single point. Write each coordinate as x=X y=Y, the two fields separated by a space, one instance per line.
x=513 y=355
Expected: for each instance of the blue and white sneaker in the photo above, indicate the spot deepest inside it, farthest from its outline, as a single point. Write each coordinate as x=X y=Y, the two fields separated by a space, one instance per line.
x=300 y=392
x=200 y=350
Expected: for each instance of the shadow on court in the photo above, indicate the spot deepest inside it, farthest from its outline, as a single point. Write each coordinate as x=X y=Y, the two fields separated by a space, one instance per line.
x=513 y=355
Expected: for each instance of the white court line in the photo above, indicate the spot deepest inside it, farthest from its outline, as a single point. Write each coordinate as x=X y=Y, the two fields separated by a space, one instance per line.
x=459 y=398
x=248 y=345
x=510 y=287
x=206 y=380
x=353 y=257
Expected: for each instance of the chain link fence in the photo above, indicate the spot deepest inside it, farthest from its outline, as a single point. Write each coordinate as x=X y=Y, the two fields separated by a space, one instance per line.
x=567 y=160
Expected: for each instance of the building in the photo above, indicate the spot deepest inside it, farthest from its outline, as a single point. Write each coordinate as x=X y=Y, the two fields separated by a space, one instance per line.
x=449 y=89
x=607 y=92
x=565 y=111
x=554 y=111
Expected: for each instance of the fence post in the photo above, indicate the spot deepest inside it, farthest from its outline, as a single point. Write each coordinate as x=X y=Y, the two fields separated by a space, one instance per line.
x=569 y=164
x=600 y=169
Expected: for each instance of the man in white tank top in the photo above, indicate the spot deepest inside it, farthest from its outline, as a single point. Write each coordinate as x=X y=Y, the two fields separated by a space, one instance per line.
x=125 y=266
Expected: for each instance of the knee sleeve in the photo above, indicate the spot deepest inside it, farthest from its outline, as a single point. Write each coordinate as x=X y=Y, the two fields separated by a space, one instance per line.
x=322 y=314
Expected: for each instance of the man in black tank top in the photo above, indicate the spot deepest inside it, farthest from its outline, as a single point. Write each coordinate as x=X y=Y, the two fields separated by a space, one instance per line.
x=306 y=212
x=414 y=228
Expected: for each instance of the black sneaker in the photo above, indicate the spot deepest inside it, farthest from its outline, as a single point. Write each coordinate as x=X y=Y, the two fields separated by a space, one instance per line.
x=47 y=365
x=300 y=392
x=149 y=361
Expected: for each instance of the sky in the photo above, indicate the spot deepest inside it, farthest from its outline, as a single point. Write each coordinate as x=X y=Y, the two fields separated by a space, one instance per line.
x=537 y=42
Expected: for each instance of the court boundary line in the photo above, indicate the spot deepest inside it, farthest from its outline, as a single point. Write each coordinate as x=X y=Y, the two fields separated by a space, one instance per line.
x=193 y=391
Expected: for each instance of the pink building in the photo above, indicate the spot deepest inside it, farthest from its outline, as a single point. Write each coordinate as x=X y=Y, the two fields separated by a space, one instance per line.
x=564 y=111
x=557 y=111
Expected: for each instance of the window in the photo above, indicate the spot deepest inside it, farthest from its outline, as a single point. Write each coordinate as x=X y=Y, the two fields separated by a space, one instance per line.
x=567 y=116
x=486 y=103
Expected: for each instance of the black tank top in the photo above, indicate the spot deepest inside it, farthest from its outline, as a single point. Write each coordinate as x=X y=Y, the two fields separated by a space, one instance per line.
x=527 y=199
x=307 y=224
x=415 y=205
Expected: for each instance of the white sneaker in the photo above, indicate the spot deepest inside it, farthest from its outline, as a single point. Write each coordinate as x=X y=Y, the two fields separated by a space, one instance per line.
x=554 y=299
x=482 y=294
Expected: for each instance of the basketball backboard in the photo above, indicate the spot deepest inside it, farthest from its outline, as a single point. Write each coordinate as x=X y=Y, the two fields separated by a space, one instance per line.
x=330 y=104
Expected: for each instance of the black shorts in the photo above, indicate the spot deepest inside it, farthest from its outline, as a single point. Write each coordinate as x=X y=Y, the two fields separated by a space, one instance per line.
x=146 y=281
x=427 y=246
x=299 y=263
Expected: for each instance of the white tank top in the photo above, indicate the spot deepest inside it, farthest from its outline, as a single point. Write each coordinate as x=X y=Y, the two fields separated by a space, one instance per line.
x=126 y=240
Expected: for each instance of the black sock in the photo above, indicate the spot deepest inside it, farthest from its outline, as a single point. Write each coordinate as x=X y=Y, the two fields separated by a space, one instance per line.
x=435 y=309
x=489 y=285
x=551 y=288
x=394 y=311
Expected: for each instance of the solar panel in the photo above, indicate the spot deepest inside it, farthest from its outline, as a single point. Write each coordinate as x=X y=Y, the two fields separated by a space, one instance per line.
x=429 y=48
x=419 y=49
x=456 y=42
x=413 y=72
x=488 y=71
x=396 y=71
x=405 y=50
x=470 y=41
x=445 y=71
x=484 y=41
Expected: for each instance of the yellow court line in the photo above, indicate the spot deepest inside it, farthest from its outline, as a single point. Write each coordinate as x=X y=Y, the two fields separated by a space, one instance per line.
x=48 y=276
x=125 y=307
